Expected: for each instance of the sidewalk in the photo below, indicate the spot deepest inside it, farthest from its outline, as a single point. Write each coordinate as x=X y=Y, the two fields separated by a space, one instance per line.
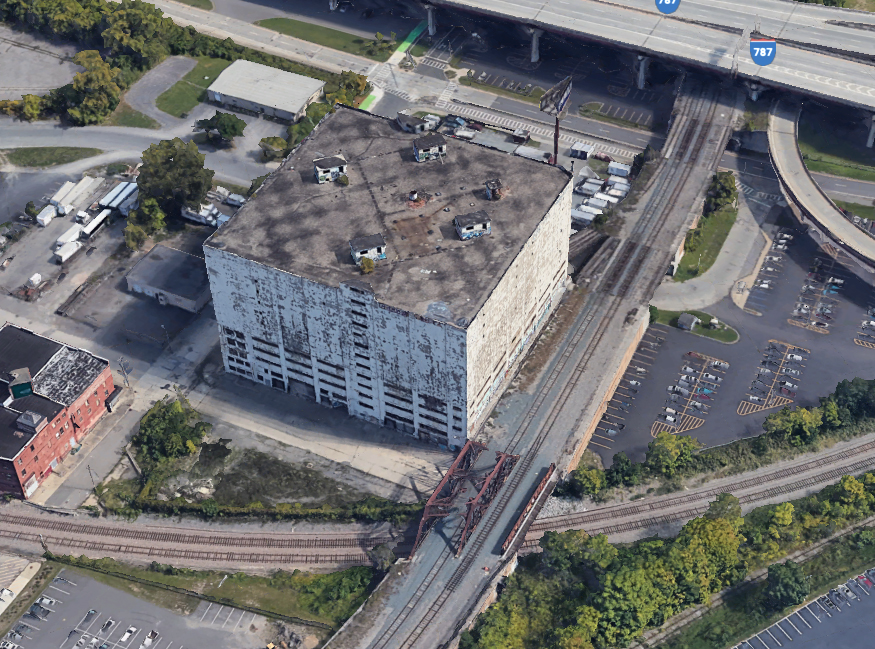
x=25 y=571
x=737 y=259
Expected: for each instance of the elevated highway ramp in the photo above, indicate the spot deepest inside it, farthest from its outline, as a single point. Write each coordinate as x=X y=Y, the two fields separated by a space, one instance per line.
x=808 y=201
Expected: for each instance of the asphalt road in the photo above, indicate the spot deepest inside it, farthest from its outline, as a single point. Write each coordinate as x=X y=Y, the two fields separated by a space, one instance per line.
x=640 y=27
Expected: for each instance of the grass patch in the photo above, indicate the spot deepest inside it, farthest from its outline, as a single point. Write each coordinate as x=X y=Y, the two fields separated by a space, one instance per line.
x=333 y=38
x=418 y=49
x=231 y=187
x=534 y=97
x=724 y=333
x=189 y=91
x=329 y=598
x=844 y=171
x=831 y=141
x=756 y=116
x=714 y=229
x=198 y=4
x=48 y=571
x=592 y=111
x=744 y=613
x=863 y=211
x=48 y=156
x=124 y=115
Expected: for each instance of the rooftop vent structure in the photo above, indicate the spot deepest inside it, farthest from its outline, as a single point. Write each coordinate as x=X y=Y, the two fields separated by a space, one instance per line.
x=411 y=123
x=373 y=247
x=31 y=422
x=475 y=224
x=429 y=147
x=329 y=168
x=494 y=189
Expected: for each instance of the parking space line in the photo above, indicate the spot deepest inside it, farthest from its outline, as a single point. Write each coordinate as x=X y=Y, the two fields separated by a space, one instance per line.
x=778 y=624
x=823 y=609
x=803 y=619
x=59 y=590
x=791 y=624
x=217 y=614
x=242 y=613
x=778 y=642
x=230 y=611
x=763 y=641
x=207 y=611
x=600 y=445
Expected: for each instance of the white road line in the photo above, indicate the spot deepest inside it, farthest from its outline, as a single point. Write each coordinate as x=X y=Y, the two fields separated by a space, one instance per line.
x=227 y=618
x=793 y=625
x=242 y=613
x=253 y=619
x=778 y=624
x=803 y=619
x=763 y=641
x=778 y=642
x=207 y=611
x=217 y=614
x=59 y=590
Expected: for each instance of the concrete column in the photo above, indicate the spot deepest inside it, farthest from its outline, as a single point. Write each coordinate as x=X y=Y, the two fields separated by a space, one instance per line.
x=332 y=5
x=643 y=64
x=536 y=35
x=754 y=90
x=432 y=22
x=871 y=139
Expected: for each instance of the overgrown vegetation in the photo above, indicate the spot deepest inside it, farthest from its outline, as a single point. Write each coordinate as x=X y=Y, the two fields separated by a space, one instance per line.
x=583 y=592
x=221 y=128
x=379 y=48
x=326 y=598
x=48 y=156
x=832 y=141
x=188 y=92
x=124 y=115
x=704 y=242
x=134 y=36
x=848 y=412
x=170 y=429
x=863 y=211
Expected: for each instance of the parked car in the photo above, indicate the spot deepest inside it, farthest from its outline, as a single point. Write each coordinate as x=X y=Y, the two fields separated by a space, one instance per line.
x=836 y=595
x=774 y=258
x=868 y=323
x=794 y=357
x=720 y=365
x=863 y=580
x=635 y=383
x=46 y=601
x=821 y=325
x=847 y=592
x=6 y=644
x=826 y=602
x=107 y=625
x=128 y=634
x=790 y=371
x=788 y=393
x=712 y=377
x=835 y=280
x=779 y=246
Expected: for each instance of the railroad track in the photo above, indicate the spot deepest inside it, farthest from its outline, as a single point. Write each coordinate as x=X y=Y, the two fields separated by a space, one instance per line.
x=44 y=525
x=602 y=307
x=225 y=558
x=647 y=514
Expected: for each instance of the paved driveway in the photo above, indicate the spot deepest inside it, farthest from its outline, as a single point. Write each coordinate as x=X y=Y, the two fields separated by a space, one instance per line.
x=143 y=94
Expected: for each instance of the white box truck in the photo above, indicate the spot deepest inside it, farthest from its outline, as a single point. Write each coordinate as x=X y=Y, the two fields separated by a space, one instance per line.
x=46 y=215
x=65 y=252
x=70 y=235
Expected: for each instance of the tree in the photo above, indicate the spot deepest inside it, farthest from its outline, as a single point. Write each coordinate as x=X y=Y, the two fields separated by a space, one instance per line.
x=137 y=29
x=579 y=634
x=30 y=209
x=787 y=585
x=668 y=453
x=367 y=265
x=599 y=551
x=783 y=514
x=272 y=147
x=149 y=216
x=255 y=184
x=586 y=481
x=135 y=236
x=726 y=507
x=627 y=603
x=210 y=508
x=563 y=550
x=173 y=173
x=830 y=414
x=95 y=93
x=623 y=472
x=225 y=125
x=31 y=107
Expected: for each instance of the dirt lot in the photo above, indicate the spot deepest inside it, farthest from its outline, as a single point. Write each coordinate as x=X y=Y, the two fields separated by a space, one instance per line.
x=32 y=65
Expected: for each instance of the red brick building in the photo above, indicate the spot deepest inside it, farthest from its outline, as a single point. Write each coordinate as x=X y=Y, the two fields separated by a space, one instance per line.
x=70 y=387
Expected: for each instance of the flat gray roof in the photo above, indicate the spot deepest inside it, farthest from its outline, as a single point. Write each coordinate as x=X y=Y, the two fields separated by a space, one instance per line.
x=172 y=271
x=264 y=85
x=296 y=225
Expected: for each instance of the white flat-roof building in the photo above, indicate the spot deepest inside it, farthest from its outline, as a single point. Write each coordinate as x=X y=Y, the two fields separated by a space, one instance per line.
x=265 y=90
x=425 y=341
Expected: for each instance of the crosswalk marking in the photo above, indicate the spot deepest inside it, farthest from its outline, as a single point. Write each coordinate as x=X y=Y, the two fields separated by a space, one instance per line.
x=434 y=63
x=750 y=191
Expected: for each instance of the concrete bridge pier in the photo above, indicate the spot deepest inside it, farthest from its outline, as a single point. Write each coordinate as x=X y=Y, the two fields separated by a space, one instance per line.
x=643 y=65
x=432 y=21
x=536 y=36
x=754 y=89
x=871 y=140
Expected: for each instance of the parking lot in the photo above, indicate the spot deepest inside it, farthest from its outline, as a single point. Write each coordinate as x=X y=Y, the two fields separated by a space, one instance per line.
x=761 y=373
x=846 y=611
x=77 y=612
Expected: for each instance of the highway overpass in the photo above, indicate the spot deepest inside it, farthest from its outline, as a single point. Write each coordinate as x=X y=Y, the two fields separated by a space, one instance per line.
x=810 y=204
x=815 y=55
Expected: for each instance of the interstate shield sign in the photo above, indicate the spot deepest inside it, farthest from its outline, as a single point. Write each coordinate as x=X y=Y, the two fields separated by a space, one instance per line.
x=763 y=50
x=668 y=6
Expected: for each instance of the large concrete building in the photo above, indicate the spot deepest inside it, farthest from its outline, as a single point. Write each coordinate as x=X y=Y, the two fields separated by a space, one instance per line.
x=425 y=341
x=51 y=395
x=172 y=277
x=262 y=89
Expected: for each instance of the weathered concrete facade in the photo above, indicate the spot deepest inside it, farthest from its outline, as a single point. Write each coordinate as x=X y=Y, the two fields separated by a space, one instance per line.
x=342 y=347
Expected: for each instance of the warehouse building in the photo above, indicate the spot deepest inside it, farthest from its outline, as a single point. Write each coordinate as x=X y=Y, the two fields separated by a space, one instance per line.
x=172 y=277
x=261 y=89
x=426 y=340
x=51 y=395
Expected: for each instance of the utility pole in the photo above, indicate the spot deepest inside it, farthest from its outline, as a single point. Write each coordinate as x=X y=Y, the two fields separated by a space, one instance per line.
x=91 y=475
x=554 y=102
x=124 y=370
x=167 y=335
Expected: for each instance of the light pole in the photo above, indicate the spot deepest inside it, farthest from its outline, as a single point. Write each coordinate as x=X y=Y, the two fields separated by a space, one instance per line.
x=167 y=335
